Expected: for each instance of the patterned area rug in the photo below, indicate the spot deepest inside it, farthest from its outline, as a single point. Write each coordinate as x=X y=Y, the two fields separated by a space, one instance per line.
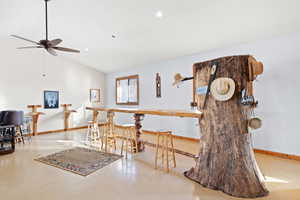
x=79 y=160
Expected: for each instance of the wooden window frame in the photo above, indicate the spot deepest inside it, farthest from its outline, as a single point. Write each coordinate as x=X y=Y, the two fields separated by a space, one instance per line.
x=138 y=89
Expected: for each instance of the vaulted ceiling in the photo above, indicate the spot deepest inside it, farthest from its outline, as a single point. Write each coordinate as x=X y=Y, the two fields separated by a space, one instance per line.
x=187 y=26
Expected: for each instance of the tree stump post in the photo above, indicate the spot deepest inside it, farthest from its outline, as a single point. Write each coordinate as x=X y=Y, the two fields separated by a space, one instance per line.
x=138 y=125
x=226 y=160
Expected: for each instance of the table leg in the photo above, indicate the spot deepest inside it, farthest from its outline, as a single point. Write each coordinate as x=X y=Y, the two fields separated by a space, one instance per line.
x=95 y=115
x=138 y=118
x=34 y=124
x=66 y=120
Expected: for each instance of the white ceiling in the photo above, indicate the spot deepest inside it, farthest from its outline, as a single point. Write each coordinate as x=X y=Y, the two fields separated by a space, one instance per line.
x=187 y=27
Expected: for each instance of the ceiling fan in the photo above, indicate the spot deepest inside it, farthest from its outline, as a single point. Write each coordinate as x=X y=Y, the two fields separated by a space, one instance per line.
x=49 y=45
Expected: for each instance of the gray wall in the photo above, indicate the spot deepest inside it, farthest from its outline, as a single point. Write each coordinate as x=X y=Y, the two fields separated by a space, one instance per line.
x=277 y=91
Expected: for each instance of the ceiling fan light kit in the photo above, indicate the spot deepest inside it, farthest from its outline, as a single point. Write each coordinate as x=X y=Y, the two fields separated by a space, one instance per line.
x=49 y=45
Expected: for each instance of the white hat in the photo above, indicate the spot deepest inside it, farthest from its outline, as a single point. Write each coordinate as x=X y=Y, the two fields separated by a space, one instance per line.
x=222 y=89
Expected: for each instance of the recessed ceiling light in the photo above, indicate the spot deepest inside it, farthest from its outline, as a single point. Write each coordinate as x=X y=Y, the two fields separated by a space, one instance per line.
x=159 y=14
x=86 y=49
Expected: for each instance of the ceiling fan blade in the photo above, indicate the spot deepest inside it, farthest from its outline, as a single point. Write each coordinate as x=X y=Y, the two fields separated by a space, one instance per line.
x=66 y=49
x=51 y=51
x=55 y=42
x=25 y=39
x=32 y=47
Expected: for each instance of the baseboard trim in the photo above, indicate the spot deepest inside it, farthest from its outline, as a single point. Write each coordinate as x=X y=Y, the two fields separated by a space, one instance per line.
x=278 y=154
x=61 y=130
x=261 y=151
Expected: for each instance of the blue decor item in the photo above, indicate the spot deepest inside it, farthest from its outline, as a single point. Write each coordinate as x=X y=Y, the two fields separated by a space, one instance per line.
x=202 y=90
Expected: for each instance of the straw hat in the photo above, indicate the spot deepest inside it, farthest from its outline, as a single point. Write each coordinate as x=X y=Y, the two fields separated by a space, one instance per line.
x=222 y=89
x=255 y=123
x=177 y=79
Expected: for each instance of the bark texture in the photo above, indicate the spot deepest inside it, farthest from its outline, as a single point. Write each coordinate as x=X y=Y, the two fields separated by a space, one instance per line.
x=226 y=160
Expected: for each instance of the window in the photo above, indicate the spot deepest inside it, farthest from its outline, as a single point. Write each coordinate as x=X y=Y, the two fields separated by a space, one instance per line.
x=127 y=90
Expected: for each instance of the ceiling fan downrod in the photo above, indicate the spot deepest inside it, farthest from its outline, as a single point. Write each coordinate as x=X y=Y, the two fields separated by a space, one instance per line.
x=46 y=8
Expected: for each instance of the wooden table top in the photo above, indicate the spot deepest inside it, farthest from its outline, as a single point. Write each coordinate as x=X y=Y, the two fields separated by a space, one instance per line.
x=176 y=113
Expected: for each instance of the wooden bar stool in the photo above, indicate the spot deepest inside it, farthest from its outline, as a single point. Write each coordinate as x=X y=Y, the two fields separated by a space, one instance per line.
x=108 y=137
x=93 y=132
x=129 y=141
x=164 y=149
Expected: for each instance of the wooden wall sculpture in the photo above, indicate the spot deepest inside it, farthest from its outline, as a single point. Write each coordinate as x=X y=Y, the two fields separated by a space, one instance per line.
x=158 y=85
x=35 y=117
x=67 y=114
x=226 y=160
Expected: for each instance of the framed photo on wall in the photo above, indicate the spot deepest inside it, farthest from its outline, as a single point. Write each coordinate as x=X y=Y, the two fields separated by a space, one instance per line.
x=127 y=90
x=94 y=95
x=51 y=99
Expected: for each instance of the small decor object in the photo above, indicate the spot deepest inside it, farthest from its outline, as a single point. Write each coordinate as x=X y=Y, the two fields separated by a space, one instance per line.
x=213 y=73
x=222 y=89
x=255 y=68
x=247 y=100
x=94 y=95
x=81 y=161
x=255 y=123
x=51 y=99
x=158 y=85
x=202 y=90
x=177 y=79
x=127 y=90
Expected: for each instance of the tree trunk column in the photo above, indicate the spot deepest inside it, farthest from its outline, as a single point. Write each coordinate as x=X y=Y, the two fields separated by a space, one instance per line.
x=226 y=160
x=138 y=118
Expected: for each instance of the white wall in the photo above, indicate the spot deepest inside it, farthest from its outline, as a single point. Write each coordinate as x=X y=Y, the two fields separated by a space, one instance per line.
x=22 y=83
x=277 y=91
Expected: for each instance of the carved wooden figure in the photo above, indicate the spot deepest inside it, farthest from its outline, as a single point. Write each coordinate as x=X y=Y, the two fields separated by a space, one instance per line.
x=35 y=117
x=226 y=160
x=67 y=114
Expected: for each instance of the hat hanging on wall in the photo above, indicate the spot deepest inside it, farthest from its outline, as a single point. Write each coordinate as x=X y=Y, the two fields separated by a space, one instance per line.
x=255 y=68
x=254 y=123
x=222 y=89
x=177 y=79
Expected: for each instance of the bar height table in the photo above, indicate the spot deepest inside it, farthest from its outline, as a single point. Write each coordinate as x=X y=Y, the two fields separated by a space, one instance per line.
x=139 y=115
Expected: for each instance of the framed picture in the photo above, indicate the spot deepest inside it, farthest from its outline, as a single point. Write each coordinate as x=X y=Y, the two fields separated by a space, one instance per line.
x=94 y=95
x=127 y=90
x=51 y=99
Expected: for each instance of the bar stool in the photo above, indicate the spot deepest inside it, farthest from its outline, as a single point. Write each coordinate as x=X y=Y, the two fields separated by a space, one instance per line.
x=128 y=135
x=108 y=137
x=164 y=149
x=93 y=132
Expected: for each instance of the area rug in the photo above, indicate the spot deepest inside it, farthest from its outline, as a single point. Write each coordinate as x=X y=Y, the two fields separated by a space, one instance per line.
x=79 y=160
